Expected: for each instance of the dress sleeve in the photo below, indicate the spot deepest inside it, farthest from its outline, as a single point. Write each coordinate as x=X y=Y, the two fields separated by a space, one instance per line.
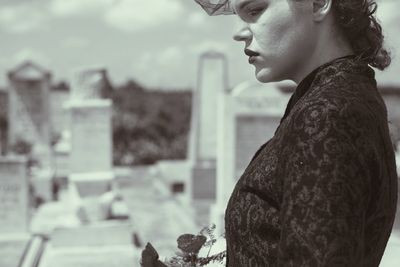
x=326 y=187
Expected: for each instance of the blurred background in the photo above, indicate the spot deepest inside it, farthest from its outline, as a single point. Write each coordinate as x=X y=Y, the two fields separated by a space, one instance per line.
x=124 y=122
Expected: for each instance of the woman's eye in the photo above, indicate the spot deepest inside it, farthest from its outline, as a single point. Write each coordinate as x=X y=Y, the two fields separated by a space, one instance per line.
x=255 y=12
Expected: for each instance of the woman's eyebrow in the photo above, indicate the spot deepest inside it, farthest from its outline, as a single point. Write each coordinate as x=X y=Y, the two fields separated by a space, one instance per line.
x=243 y=4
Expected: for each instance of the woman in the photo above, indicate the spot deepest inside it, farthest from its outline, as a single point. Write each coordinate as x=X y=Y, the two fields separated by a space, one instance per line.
x=323 y=190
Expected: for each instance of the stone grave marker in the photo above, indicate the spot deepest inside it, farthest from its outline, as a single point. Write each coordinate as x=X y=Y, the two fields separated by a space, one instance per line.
x=29 y=118
x=14 y=210
x=14 y=206
x=90 y=165
x=212 y=81
x=91 y=147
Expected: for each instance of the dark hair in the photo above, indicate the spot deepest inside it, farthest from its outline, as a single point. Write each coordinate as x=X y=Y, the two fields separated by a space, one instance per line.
x=357 y=21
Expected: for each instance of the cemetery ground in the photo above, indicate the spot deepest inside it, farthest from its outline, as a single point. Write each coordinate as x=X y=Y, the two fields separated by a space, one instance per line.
x=157 y=216
x=161 y=218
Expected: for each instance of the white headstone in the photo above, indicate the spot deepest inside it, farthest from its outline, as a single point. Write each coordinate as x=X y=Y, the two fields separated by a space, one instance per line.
x=90 y=159
x=3 y=121
x=42 y=182
x=59 y=116
x=29 y=118
x=14 y=211
x=14 y=202
x=91 y=144
x=62 y=151
x=88 y=83
x=212 y=82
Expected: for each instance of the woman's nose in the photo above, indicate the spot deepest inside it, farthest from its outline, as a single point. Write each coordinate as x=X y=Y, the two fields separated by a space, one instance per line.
x=243 y=34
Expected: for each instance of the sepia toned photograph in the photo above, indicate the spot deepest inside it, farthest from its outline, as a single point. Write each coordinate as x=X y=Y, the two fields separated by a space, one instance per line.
x=187 y=133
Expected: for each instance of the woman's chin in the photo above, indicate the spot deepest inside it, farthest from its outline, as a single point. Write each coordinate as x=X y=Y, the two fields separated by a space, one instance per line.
x=265 y=76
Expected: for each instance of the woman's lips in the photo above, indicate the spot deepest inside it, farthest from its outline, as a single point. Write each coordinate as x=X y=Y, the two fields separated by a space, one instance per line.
x=252 y=55
x=252 y=59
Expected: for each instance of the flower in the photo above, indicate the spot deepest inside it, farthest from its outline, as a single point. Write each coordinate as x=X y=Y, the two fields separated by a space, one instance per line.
x=191 y=243
x=150 y=257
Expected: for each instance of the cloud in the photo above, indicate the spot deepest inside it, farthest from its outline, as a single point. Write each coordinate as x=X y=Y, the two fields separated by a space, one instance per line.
x=66 y=8
x=125 y=15
x=135 y=15
x=173 y=55
x=197 y=19
x=76 y=42
x=174 y=66
x=32 y=55
x=22 y=18
x=169 y=67
x=207 y=46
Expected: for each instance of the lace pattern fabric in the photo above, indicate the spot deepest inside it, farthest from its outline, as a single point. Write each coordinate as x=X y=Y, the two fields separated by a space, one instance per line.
x=217 y=7
x=323 y=190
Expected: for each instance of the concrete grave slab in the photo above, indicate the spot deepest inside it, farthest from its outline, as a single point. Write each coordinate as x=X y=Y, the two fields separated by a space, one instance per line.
x=97 y=234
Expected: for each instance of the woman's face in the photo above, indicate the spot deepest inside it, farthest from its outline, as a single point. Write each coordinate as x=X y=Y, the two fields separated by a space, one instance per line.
x=279 y=36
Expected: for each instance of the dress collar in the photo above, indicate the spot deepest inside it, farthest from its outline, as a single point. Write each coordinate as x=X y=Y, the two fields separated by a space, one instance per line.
x=350 y=62
x=324 y=74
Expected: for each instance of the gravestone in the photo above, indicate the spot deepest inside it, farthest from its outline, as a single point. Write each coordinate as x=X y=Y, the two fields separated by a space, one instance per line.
x=212 y=81
x=248 y=117
x=14 y=202
x=14 y=210
x=59 y=117
x=3 y=120
x=103 y=244
x=91 y=148
x=29 y=118
x=42 y=181
x=62 y=152
x=90 y=159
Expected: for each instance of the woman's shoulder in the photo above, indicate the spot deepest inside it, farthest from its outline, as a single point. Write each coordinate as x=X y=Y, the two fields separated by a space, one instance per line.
x=353 y=107
x=343 y=94
x=347 y=92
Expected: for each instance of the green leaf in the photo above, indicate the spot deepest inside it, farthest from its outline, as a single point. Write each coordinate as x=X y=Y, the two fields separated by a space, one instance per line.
x=191 y=243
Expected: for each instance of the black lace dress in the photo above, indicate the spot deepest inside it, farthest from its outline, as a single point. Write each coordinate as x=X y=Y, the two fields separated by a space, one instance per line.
x=323 y=190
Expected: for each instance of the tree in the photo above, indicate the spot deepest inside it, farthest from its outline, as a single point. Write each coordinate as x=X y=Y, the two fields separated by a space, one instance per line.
x=149 y=125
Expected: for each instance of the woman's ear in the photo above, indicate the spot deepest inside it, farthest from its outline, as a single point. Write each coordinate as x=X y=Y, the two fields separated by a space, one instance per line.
x=321 y=9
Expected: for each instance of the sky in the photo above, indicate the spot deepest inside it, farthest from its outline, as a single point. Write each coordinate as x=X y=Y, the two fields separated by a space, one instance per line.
x=155 y=42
